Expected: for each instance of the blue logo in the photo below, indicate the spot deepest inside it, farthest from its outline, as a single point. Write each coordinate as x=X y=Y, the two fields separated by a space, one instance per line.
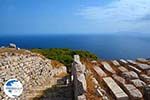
x=13 y=88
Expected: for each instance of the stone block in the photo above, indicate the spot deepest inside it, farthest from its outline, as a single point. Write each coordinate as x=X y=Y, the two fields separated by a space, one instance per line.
x=115 y=89
x=108 y=67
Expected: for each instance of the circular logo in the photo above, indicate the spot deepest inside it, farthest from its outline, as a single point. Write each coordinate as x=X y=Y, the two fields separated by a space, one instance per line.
x=13 y=88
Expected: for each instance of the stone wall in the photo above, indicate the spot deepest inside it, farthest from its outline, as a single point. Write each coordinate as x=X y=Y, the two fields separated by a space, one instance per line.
x=32 y=70
x=79 y=80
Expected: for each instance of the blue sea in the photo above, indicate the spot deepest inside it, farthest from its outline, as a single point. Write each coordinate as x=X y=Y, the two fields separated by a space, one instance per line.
x=104 y=46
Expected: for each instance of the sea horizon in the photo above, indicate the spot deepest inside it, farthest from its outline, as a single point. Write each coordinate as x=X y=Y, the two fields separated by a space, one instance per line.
x=105 y=46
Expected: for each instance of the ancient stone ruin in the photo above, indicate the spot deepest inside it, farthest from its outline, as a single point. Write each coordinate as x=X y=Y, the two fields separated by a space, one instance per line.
x=90 y=80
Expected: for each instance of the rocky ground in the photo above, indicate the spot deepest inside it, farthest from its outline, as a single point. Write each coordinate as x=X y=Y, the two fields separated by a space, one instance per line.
x=36 y=73
x=45 y=79
x=118 y=79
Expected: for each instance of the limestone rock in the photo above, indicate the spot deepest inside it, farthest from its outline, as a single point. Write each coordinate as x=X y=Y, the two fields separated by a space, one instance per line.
x=145 y=78
x=119 y=79
x=116 y=90
x=99 y=71
x=122 y=69
x=133 y=92
x=138 y=83
x=130 y=75
x=108 y=67
x=143 y=66
x=116 y=63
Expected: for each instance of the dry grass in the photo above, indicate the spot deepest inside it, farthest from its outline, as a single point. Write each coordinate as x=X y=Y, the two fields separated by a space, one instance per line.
x=56 y=64
x=91 y=93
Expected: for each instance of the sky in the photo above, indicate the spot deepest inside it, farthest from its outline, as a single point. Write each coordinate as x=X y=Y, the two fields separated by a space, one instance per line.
x=74 y=17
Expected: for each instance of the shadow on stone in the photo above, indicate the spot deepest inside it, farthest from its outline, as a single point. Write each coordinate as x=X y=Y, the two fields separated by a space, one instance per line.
x=61 y=91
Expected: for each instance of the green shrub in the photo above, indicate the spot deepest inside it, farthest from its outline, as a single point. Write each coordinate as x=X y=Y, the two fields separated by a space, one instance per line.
x=64 y=55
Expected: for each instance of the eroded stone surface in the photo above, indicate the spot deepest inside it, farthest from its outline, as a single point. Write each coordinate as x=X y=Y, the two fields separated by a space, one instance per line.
x=108 y=67
x=117 y=91
x=130 y=75
x=138 y=83
x=133 y=92
x=32 y=70
x=99 y=71
x=122 y=69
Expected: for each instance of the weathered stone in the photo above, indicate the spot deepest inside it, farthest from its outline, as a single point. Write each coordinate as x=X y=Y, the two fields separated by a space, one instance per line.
x=116 y=90
x=134 y=69
x=132 y=62
x=142 y=60
x=133 y=92
x=122 y=69
x=123 y=61
x=11 y=45
x=143 y=66
x=81 y=97
x=138 y=83
x=145 y=78
x=79 y=81
x=119 y=79
x=99 y=71
x=148 y=72
x=116 y=63
x=108 y=67
x=130 y=75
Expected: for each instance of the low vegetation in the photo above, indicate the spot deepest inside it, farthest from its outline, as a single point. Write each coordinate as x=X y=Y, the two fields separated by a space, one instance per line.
x=64 y=56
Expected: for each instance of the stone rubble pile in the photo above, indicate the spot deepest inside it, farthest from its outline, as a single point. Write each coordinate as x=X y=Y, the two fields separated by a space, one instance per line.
x=33 y=71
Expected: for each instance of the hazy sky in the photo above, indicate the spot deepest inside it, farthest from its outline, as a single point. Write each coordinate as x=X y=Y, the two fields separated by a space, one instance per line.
x=74 y=16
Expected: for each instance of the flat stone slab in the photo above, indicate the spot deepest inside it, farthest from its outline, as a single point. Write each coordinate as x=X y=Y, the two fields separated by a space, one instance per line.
x=116 y=90
x=108 y=67
x=134 y=69
x=138 y=83
x=119 y=79
x=145 y=78
x=132 y=62
x=116 y=63
x=99 y=71
x=142 y=60
x=133 y=92
x=122 y=69
x=143 y=66
x=130 y=75
x=123 y=61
